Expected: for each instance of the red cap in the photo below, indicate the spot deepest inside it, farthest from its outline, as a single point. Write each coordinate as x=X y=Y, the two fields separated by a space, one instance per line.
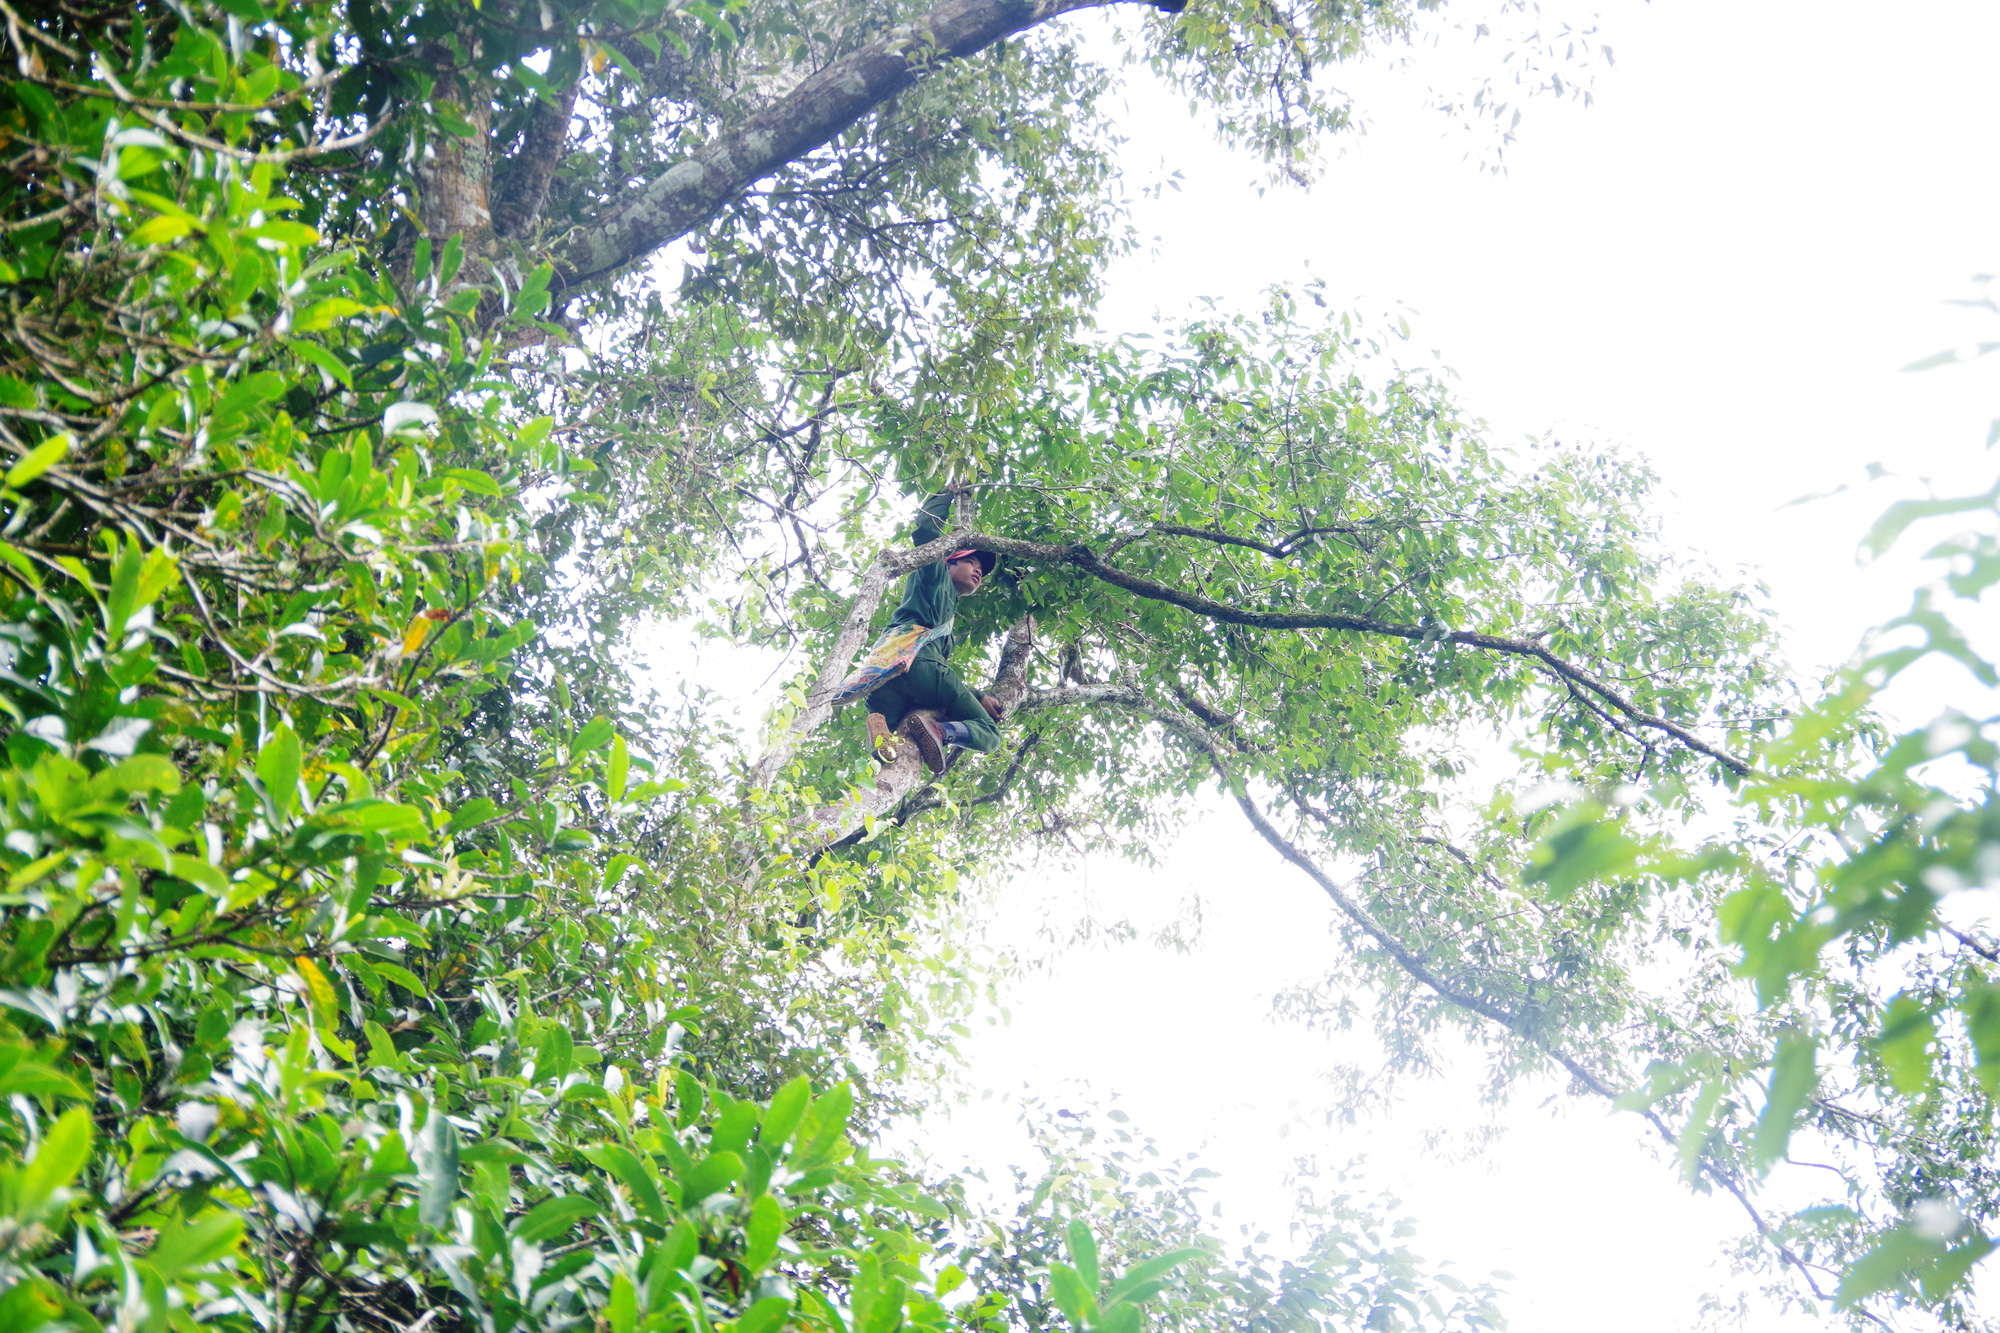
x=987 y=560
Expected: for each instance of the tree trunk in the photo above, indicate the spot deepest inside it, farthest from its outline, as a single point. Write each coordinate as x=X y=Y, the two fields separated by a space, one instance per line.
x=455 y=172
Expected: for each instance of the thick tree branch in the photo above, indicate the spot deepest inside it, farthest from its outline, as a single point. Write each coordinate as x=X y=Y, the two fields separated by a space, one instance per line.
x=824 y=104
x=1079 y=556
x=1284 y=549
x=521 y=186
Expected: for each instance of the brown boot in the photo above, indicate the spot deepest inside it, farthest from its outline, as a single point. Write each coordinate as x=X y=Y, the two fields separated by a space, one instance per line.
x=928 y=737
x=882 y=741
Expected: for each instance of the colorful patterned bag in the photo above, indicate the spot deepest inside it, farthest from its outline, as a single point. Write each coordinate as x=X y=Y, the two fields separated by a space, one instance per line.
x=889 y=658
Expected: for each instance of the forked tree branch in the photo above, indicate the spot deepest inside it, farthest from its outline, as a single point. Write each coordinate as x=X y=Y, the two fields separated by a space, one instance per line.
x=1079 y=556
x=896 y=561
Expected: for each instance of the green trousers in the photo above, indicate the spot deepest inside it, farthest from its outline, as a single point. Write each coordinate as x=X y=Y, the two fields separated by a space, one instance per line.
x=931 y=684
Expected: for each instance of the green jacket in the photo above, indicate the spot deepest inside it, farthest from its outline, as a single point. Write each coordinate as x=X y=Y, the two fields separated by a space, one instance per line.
x=928 y=597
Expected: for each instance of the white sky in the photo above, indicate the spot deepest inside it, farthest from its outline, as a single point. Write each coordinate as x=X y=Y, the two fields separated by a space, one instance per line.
x=1721 y=264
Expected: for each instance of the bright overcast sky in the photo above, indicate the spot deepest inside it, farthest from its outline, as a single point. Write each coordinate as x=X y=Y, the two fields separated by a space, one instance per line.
x=1721 y=264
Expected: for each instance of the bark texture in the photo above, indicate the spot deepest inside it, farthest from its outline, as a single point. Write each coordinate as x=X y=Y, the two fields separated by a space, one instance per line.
x=522 y=186
x=823 y=104
x=455 y=174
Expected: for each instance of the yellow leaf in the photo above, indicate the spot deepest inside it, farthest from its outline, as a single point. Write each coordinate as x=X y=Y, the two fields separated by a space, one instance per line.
x=324 y=314
x=319 y=993
x=414 y=636
x=158 y=231
x=38 y=460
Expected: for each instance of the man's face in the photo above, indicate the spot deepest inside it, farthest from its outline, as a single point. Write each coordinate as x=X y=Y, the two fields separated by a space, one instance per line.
x=966 y=575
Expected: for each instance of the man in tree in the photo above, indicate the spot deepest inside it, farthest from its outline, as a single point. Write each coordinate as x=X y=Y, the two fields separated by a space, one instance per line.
x=920 y=633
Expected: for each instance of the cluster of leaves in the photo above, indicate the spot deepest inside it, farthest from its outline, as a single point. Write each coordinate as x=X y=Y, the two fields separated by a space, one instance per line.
x=372 y=948
x=356 y=971
x=1273 y=471
x=319 y=1013
x=1259 y=469
x=1345 y=1266
x=1871 y=1042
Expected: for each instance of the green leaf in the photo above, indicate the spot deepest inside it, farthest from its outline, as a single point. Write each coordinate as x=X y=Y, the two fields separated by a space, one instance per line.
x=632 y=1174
x=733 y=1125
x=1904 y=1046
x=319 y=992
x=1892 y=1263
x=764 y=1316
x=196 y=1245
x=553 y=1217
x=1793 y=1079
x=761 y=1233
x=1951 y=1267
x=401 y=975
x=621 y=1310
x=1579 y=855
x=1693 y=1144
x=1119 y=1319
x=278 y=764
x=827 y=1123
x=479 y=483
x=382 y=1052
x=615 y=769
x=716 y=1172
x=1083 y=1253
x=782 y=1116
x=553 y=1059
x=1981 y=1007
x=314 y=354
x=530 y=436
x=285 y=233
x=614 y=870
x=689 y=1098
x=1072 y=1297
x=437 y=1169
x=475 y=811
x=536 y=282
x=38 y=460
x=63 y=1151
x=28 y=1305
x=450 y=260
x=1899 y=516
x=1152 y=1270
x=40 y=1081
x=371 y=815
x=144 y=772
x=595 y=734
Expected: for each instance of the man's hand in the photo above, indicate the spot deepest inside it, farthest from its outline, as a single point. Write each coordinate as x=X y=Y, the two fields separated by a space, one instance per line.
x=993 y=708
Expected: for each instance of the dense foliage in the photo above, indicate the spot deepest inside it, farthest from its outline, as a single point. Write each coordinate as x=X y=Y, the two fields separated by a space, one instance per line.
x=374 y=955
x=377 y=951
